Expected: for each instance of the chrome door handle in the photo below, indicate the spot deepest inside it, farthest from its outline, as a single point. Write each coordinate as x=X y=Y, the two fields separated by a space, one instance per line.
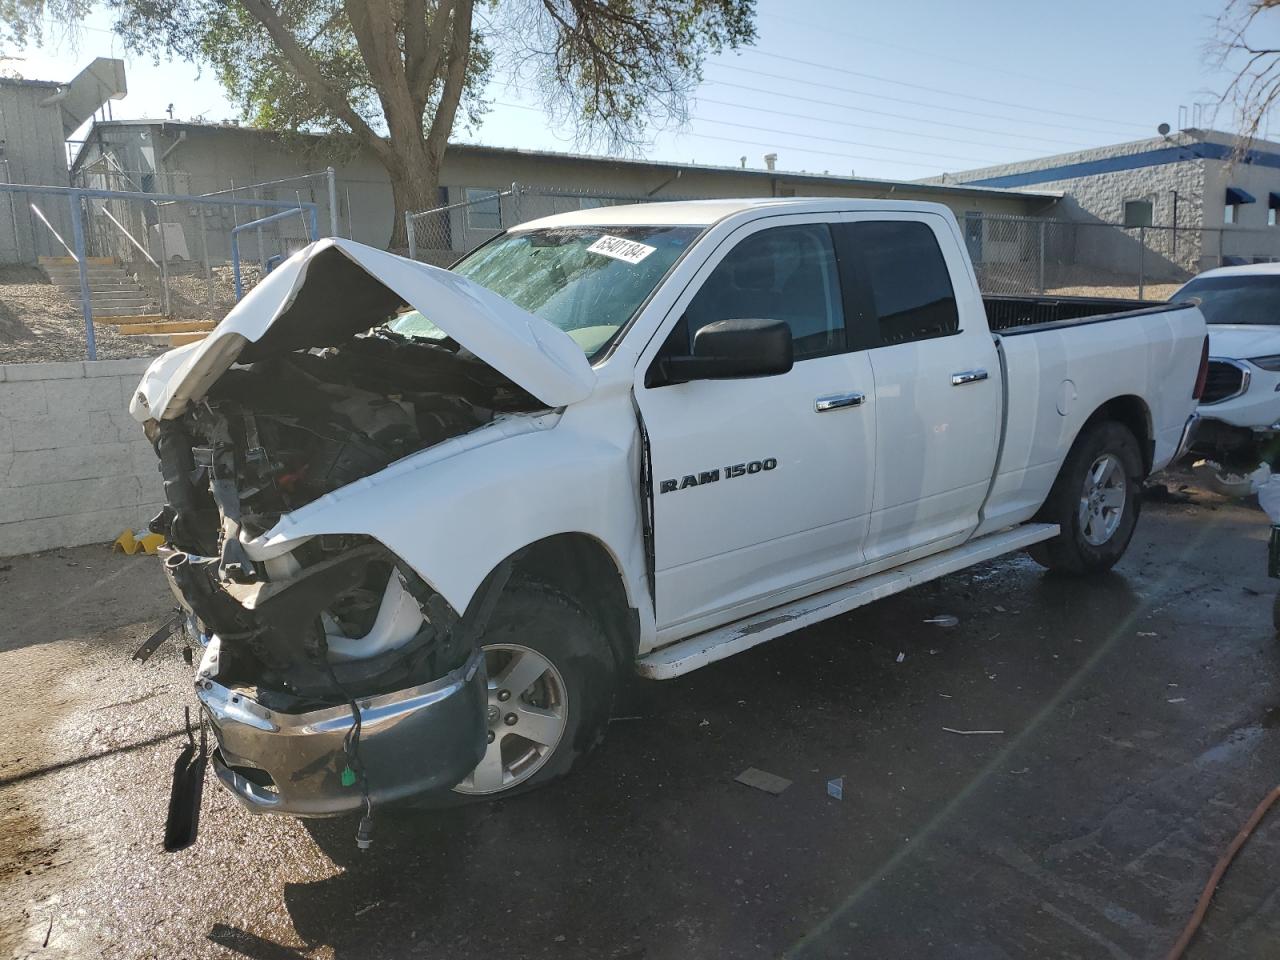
x=838 y=401
x=968 y=376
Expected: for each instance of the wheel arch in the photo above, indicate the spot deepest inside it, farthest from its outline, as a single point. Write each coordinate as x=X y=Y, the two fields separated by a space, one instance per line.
x=1130 y=411
x=584 y=569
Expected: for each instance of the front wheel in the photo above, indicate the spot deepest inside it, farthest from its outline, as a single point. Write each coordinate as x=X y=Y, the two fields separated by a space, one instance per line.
x=1095 y=500
x=552 y=676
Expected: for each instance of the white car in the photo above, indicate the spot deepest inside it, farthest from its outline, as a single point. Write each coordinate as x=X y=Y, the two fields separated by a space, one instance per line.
x=421 y=547
x=1239 y=414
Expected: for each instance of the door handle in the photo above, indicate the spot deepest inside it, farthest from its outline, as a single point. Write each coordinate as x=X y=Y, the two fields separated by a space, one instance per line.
x=968 y=376
x=838 y=401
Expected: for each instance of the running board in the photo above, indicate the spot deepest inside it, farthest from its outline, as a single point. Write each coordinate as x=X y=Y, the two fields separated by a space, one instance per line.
x=697 y=651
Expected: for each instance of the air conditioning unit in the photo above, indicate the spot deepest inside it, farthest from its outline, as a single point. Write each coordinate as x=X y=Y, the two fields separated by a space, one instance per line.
x=174 y=242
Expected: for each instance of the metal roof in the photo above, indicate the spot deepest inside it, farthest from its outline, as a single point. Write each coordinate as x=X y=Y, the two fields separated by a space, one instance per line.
x=789 y=176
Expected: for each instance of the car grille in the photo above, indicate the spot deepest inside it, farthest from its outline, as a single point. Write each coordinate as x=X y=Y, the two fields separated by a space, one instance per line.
x=1225 y=380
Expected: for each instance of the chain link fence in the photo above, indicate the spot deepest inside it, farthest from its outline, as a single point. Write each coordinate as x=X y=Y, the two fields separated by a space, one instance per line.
x=180 y=252
x=1010 y=254
x=442 y=235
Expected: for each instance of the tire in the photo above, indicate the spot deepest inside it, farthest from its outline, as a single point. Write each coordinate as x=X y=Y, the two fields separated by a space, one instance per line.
x=578 y=684
x=1093 y=545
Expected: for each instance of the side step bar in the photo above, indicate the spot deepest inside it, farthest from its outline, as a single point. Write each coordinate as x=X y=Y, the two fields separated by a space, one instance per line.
x=697 y=651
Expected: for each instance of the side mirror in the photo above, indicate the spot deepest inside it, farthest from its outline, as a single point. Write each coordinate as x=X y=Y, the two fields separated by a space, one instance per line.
x=734 y=349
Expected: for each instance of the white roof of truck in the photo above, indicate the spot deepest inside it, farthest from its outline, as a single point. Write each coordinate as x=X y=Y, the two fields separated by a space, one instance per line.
x=705 y=212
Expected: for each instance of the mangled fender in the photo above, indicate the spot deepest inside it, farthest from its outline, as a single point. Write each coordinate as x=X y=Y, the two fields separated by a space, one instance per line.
x=455 y=511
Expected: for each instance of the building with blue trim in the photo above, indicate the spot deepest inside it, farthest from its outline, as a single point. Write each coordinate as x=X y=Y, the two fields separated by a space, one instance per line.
x=1197 y=200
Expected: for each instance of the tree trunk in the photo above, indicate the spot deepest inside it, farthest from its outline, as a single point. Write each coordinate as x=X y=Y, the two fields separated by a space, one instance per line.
x=414 y=187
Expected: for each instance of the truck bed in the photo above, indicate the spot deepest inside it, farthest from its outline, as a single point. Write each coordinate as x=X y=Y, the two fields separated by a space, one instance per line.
x=1012 y=315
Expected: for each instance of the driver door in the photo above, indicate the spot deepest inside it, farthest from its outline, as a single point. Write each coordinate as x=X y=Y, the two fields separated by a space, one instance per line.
x=761 y=486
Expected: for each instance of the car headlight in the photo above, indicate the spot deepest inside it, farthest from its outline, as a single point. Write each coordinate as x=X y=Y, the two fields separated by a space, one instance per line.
x=1271 y=362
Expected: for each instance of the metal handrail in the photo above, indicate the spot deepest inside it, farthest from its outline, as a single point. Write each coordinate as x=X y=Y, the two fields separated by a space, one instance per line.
x=45 y=220
x=258 y=225
x=141 y=249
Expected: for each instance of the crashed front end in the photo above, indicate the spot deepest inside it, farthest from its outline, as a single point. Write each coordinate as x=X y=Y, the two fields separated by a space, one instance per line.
x=334 y=677
x=334 y=681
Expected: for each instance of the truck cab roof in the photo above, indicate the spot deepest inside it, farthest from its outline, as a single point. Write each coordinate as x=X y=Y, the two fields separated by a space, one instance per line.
x=706 y=212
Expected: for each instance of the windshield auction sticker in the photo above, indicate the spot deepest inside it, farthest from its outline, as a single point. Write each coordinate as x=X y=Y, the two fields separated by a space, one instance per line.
x=619 y=249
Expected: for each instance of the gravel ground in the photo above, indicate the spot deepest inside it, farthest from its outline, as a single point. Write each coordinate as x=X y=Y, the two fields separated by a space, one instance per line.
x=189 y=293
x=1152 y=291
x=40 y=323
x=1138 y=725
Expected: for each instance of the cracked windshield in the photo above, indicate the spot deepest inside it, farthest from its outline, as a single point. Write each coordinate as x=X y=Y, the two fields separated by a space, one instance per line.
x=586 y=281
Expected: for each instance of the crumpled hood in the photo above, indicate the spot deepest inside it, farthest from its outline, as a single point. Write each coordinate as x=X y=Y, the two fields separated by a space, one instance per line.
x=1243 y=341
x=333 y=289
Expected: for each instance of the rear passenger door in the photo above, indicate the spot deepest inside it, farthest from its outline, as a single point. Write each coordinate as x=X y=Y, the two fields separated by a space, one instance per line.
x=761 y=486
x=937 y=381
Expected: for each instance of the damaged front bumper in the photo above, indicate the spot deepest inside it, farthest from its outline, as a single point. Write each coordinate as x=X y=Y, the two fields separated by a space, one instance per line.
x=412 y=742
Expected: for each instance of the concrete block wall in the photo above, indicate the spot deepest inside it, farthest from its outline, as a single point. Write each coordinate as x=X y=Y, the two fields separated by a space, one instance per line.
x=74 y=466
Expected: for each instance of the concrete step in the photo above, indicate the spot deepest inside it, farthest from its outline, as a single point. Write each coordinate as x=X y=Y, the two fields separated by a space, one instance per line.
x=168 y=339
x=119 y=299
x=165 y=326
x=133 y=289
x=145 y=319
x=113 y=314
x=71 y=262
x=73 y=279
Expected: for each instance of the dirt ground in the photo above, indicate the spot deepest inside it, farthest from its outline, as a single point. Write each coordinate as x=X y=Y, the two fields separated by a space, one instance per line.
x=40 y=323
x=1139 y=725
x=1152 y=291
x=189 y=297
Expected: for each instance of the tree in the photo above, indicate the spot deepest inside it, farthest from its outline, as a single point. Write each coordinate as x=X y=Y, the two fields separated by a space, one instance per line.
x=1255 y=87
x=394 y=74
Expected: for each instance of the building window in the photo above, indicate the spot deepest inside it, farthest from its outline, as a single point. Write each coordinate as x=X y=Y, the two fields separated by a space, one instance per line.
x=1137 y=213
x=1002 y=231
x=1236 y=198
x=1271 y=216
x=484 y=208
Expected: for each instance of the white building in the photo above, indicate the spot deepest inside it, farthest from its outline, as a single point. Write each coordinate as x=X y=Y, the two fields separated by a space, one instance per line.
x=1197 y=200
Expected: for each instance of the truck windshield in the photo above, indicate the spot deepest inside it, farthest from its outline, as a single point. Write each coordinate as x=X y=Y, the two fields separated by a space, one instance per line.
x=1252 y=300
x=588 y=281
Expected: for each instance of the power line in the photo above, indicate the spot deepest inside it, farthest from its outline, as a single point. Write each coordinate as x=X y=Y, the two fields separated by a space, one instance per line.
x=754 y=143
x=861 y=126
x=949 y=93
x=864 y=126
x=885 y=113
x=918 y=103
x=851 y=143
x=976 y=65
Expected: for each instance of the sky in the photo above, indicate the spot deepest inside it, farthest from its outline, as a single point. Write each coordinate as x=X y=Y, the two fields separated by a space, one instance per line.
x=900 y=90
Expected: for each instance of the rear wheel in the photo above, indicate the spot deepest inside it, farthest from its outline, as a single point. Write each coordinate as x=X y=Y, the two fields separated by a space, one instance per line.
x=1095 y=500
x=552 y=676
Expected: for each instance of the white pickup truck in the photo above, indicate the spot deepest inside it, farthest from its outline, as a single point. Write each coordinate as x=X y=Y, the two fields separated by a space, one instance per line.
x=423 y=520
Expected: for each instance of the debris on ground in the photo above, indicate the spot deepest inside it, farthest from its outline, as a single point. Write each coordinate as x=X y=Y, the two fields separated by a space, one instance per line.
x=943 y=620
x=1177 y=700
x=763 y=780
x=131 y=541
x=835 y=788
x=972 y=733
x=1160 y=493
x=901 y=657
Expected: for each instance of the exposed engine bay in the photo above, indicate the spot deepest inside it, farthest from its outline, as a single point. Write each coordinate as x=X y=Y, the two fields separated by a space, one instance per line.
x=340 y=617
x=333 y=675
